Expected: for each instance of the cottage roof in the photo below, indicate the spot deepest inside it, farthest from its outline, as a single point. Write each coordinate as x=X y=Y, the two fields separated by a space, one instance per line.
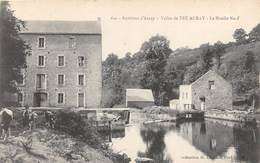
x=62 y=27
x=139 y=95
x=207 y=74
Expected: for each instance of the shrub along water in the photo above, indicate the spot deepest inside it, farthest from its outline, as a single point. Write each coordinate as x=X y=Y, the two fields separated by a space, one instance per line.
x=79 y=127
x=75 y=125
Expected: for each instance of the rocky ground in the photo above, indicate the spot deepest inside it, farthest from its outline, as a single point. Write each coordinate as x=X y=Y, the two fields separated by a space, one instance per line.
x=42 y=145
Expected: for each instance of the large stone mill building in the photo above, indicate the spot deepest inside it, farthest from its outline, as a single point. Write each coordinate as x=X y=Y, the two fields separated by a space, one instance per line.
x=64 y=69
x=210 y=91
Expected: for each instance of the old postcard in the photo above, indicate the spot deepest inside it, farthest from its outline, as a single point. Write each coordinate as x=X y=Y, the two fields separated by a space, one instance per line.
x=138 y=81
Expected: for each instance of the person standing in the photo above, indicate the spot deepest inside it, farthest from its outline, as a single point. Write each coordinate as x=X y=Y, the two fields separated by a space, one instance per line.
x=26 y=116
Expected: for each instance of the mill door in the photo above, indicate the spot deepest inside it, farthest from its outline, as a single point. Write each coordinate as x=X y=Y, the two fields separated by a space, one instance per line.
x=40 y=99
x=202 y=103
x=81 y=100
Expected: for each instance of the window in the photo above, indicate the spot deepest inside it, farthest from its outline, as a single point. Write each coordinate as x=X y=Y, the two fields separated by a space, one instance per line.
x=212 y=85
x=182 y=95
x=61 y=61
x=81 y=61
x=187 y=106
x=41 y=61
x=20 y=97
x=81 y=80
x=72 y=43
x=41 y=81
x=60 y=98
x=186 y=95
x=41 y=42
x=61 y=79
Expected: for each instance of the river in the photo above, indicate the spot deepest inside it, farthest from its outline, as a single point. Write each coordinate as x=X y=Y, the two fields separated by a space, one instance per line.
x=208 y=141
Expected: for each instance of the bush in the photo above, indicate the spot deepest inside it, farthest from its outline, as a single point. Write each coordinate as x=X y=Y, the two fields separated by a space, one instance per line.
x=75 y=125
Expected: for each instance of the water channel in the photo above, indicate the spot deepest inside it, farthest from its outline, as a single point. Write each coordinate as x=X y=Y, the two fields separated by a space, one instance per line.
x=192 y=142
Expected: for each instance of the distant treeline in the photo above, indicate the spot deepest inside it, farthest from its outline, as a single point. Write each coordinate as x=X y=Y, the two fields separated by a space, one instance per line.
x=156 y=66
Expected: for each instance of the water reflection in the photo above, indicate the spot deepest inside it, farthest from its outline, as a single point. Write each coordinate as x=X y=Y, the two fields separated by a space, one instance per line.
x=213 y=139
x=153 y=136
x=207 y=141
x=247 y=144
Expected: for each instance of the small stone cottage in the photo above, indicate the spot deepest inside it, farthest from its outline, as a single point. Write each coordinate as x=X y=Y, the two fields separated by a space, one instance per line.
x=208 y=92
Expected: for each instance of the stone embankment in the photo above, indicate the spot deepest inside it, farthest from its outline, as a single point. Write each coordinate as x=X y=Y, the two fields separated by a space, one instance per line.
x=152 y=114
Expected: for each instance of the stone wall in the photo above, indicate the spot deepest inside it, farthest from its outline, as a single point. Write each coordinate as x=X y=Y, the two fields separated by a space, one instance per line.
x=139 y=104
x=220 y=97
x=88 y=46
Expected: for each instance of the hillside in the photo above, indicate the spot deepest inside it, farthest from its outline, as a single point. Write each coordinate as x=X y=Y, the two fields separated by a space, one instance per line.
x=235 y=53
x=156 y=66
x=232 y=63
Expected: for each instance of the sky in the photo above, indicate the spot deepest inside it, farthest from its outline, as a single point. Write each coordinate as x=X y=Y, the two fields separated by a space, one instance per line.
x=126 y=24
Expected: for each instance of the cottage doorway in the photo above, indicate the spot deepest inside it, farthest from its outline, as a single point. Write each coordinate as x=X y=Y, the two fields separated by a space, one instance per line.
x=202 y=103
x=40 y=99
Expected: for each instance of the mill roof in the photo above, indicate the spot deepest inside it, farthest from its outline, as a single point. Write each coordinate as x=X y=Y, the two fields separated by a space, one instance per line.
x=62 y=27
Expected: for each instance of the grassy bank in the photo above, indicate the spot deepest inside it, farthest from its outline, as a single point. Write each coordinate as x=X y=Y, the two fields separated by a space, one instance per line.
x=72 y=140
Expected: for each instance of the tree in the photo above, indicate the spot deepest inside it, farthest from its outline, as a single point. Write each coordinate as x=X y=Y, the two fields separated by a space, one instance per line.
x=240 y=35
x=206 y=61
x=254 y=35
x=156 y=52
x=173 y=77
x=204 y=64
x=250 y=62
x=112 y=81
x=218 y=50
x=13 y=50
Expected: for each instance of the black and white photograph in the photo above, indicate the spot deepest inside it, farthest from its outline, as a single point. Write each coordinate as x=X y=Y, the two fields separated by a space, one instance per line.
x=130 y=81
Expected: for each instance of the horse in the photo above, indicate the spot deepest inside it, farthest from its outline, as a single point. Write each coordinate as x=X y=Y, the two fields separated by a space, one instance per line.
x=6 y=118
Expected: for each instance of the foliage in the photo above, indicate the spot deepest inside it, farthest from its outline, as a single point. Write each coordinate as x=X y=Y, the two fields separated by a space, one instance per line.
x=250 y=62
x=156 y=52
x=206 y=61
x=173 y=77
x=112 y=81
x=242 y=73
x=13 y=49
x=155 y=66
x=27 y=142
x=75 y=125
x=254 y=35
x=218 y=50
x=240 y=35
